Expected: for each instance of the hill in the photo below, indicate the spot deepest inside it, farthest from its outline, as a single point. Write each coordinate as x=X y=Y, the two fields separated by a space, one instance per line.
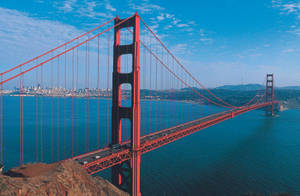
x=241 y=87
x=59 y=179
x=253 y=87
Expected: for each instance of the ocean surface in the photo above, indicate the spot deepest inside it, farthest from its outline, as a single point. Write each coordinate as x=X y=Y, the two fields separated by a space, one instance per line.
x=250 y=153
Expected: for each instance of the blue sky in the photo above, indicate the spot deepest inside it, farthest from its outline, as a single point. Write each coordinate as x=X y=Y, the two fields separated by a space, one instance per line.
x=220 y=41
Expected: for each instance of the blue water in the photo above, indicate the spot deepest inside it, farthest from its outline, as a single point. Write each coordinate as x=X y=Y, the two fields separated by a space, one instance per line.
x=250 y=153
x=59 y=122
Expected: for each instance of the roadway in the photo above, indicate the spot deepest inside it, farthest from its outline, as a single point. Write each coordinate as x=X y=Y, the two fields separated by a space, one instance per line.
x=101 y=159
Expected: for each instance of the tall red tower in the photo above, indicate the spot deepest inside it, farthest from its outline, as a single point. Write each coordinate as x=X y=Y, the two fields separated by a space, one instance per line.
x=127 y=174
x=270 y=94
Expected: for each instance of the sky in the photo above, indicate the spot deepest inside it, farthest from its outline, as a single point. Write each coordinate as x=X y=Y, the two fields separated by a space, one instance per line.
x=220 y=41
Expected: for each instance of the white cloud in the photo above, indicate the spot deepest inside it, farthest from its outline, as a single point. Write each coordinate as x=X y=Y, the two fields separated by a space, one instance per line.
x=110 y=8
x=86 y=8
x=291 y=8
x=205 y=39
x=201 y=31
x=180 y=49
x=175 y=21
x=295 y=31
x=287 y=7
x=182 y=25
x=204 y=36
x=145 y=7
x=192 y=23
x=67 y=5
x=23 y=37
x=168 y=27
x=166 y=21
x=169 y=16
x=189 y=29
x=160 y=17
x=170 y=21
x=289 y=50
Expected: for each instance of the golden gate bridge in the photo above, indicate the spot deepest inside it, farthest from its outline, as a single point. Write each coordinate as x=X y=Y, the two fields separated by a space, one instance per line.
x=91 y=88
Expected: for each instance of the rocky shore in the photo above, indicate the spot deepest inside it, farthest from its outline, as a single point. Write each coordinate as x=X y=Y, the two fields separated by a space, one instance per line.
x=58 y=179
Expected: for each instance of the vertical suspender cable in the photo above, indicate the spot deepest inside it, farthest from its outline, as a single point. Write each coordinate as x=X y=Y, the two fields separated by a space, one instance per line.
x=41 y=113
x=150 y=86
x=57 y=109
x=173 y=88
x=162 y=92
x=65 y=115
x=22 y=121
x=167 y=86
x=20 y=95
x=177 y=103
x=98 y=92
x=181 y=101
x=156 y=91
x=107 y=89
x=87 y=95
x=51 y=78
x=37 y=115
x=144 y=87
x=72 y=97
x=85 y=100
x=77 y=97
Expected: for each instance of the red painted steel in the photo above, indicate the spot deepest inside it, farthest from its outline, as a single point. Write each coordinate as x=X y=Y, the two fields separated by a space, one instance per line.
x=270 y=94
x=125 y=157
x=191 y=75
x=132 y=113
x=54 y=49
x=115 y=158
x=1 y=124
x=60 y=54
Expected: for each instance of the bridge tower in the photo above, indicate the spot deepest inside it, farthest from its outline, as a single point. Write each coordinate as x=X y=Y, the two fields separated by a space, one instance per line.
x=270 y=94
x=127 y=174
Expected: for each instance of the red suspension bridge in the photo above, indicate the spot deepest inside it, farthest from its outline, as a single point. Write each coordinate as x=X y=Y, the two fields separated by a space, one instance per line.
x=105 y=98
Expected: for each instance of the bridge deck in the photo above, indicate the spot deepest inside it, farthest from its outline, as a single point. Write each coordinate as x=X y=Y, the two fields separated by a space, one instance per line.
x=107 y=157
